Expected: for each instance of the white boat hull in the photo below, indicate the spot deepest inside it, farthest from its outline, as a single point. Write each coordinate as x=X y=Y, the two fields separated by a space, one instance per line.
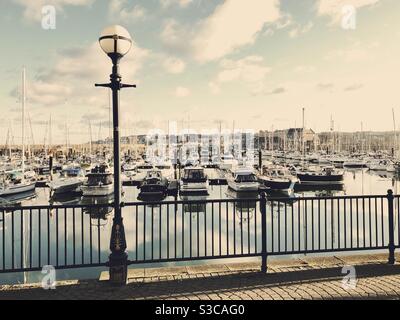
x=60 y=187
x=194 y=187
x=243 y=187
x=97 y=191
x=13 y=190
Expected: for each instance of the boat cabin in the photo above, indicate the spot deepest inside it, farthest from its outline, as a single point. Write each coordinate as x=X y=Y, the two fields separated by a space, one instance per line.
x=194 y=174
x=153 y=177
x=99 y=175
x=244 y=175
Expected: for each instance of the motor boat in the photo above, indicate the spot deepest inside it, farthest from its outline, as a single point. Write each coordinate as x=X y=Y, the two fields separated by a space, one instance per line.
x=228 y=162
x=338 y=161
x=153 y=185
x=381 y=165
x=321 y=176
x=278 y=179
x=144 y=167
x=354 y=163
x=15 y=183
x=167 y=170
x=43 y=175
x=129 y=172
x=69 y=181
x=242 y=180
x=194 y=180
x=99 y=182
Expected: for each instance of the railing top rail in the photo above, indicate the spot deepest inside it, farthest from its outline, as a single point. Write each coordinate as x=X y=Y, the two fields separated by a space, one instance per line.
x=51 y=207
x=149 y=203
x=183 y=202
x=327 y=197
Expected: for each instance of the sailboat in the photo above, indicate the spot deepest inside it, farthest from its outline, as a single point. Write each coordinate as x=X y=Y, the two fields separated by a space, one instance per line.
x=18 y=183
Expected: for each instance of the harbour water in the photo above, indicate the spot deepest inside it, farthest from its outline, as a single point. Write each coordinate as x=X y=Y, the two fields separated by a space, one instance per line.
x=356 y=182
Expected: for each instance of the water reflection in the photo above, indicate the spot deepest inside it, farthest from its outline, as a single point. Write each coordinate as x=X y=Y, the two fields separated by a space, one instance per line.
x=17 y=199
x=151 y=198
x=246 y=207
x=98 y=215
x=65 y=199
x=331 y=190
x=194 y=206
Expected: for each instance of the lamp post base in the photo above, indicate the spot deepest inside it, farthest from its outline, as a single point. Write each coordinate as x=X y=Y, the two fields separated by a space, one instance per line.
x=118 y=264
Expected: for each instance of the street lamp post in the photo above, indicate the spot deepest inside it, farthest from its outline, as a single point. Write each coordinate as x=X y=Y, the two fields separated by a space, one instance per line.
x=116 y=42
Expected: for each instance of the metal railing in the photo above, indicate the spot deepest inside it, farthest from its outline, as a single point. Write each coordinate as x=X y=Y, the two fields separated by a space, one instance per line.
x=61 y=236
x=78 y=236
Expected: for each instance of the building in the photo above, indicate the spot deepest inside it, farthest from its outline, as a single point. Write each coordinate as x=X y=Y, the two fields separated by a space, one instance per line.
x=289 y=139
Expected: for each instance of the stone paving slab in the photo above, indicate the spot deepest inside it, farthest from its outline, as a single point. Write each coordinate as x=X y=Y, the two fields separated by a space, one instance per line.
x=132 y=274
x=322 y=261
x=245 y=266
x=164 y=272
x=301 y=279
x=209 y=268
x=367 y=258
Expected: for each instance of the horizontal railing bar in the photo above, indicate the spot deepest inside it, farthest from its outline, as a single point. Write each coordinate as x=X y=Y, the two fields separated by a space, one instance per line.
x=60 y=267
x=133 y=204
x=249 y=255
x=129 y=204
x=281 y=199
x=283 y=253
x=44 y=207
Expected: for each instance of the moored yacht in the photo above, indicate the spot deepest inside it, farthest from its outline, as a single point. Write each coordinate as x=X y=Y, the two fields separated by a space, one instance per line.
x=278 y=179
x=15 y=183
x=228 y=162
x=194 y=180
x=381 y=165
x=354 y=163
x=321 y=176
x=154 y=184
x=99 y=182
x=69 y=181
x=242 y=180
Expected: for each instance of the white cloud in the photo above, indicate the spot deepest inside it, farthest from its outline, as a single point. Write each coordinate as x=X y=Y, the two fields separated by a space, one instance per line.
x=350 y=55
x=182 y=92
x=299 y=30
x=119 y=11
x=33 y=8
x=180 y=3
x=48 y=93
x=233 y=24
x=249 y=69
x=174 y=65
x=333 y=8
x=175 y=36
x=74 y=73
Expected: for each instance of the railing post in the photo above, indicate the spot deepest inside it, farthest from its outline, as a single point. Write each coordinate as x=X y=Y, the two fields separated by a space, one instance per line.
x=390 y=198
x=263 y=209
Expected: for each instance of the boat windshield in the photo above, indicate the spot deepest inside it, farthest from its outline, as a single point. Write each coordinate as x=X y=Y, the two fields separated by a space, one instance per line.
x=153 y=175
x=95 y=180
x=194 y=175
x=246 y=178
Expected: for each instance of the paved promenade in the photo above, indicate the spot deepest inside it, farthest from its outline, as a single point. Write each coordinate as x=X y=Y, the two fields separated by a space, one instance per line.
x=305 y=278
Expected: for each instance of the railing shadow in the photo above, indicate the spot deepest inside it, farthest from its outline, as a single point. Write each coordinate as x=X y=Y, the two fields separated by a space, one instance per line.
x=181 y=287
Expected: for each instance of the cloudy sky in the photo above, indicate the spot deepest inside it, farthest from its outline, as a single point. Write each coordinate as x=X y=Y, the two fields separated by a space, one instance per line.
x=198 y=62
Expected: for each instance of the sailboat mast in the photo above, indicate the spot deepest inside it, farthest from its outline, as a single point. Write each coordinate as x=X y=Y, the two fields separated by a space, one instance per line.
x=302 y=137
x=394 y=133
x=23 y=118
x=50 y=142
